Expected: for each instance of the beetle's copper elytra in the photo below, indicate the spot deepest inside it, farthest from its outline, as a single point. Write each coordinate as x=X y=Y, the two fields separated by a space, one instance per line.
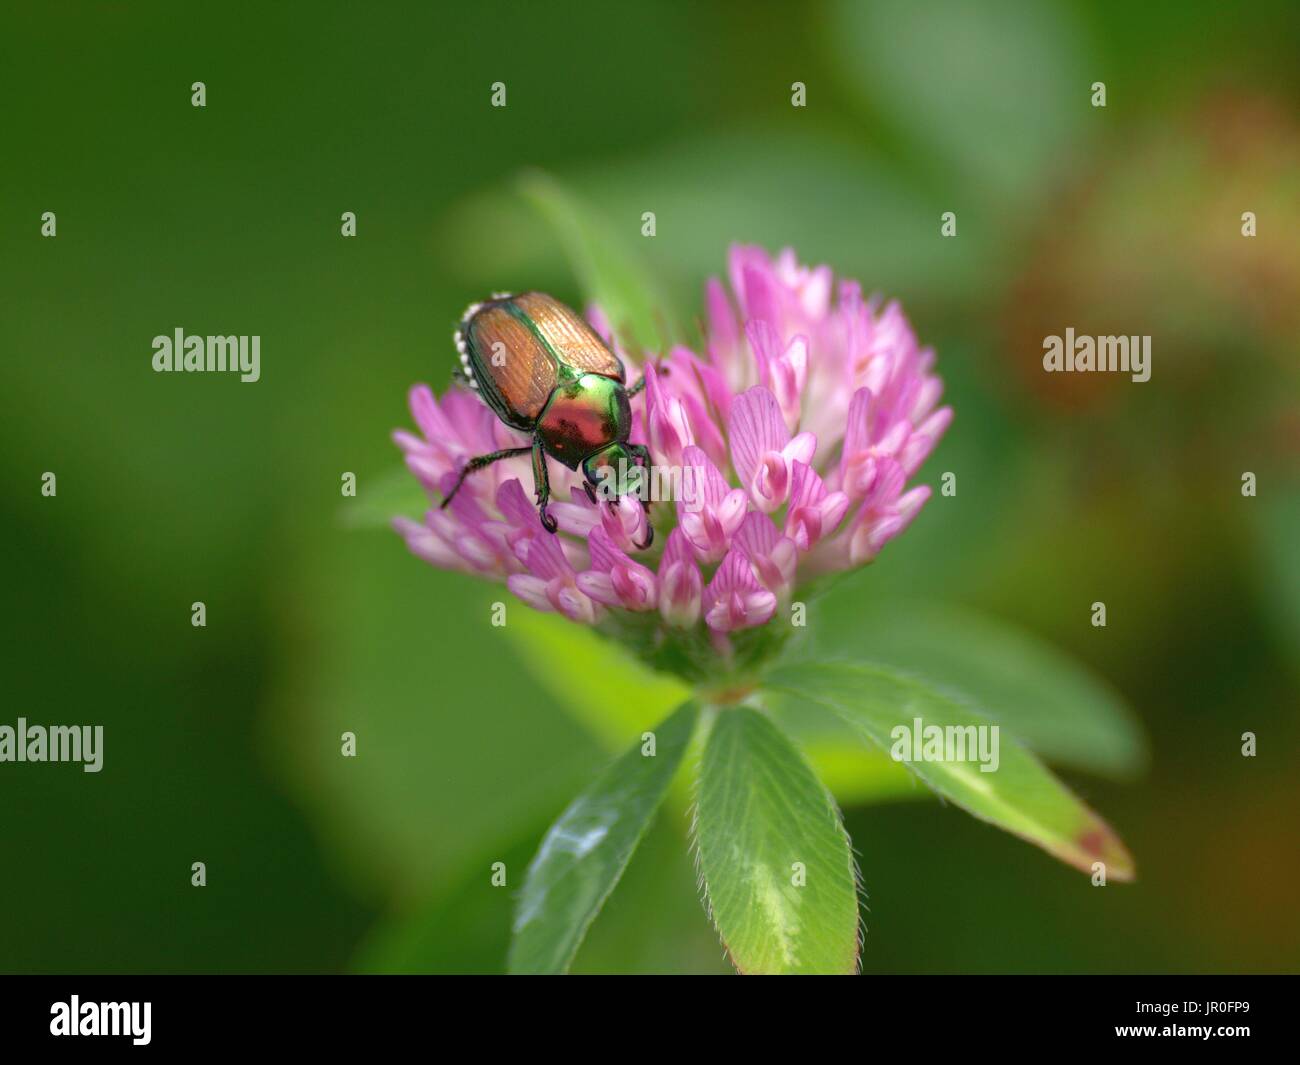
x=544 y=371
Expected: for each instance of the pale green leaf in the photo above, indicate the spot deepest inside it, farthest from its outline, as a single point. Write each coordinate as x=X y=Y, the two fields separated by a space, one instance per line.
x=621 y=697
x=776 y=864
x=1053 y=705
x=608 y=271
x=853 y=772
x=586 y=850
x=1018 y=794
x=734 y=185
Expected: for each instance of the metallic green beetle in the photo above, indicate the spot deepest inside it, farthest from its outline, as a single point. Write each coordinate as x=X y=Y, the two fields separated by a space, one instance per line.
x=544 y=371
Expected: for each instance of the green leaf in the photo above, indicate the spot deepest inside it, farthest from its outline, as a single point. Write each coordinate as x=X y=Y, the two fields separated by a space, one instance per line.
x=1019 y=795
x=635 y=697
x=548 y=644
x=586 y=850
x=777 y=869
x=464 y=926
x=858 y=776
x=652 y=923
x=608 y=272
x=1040 y=696
x=735 y=185
x=853 y=772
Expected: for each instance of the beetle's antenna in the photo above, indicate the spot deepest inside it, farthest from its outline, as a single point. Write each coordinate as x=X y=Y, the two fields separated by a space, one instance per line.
x=479 y=462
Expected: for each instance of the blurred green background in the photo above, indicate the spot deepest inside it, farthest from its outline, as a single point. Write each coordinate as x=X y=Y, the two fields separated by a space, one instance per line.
x=222 y=743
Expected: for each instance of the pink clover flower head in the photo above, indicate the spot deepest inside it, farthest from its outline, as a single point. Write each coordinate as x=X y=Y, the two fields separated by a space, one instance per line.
x=785 y=446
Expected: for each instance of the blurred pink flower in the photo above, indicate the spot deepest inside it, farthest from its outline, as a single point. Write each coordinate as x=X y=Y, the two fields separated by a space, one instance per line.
x=794 y=435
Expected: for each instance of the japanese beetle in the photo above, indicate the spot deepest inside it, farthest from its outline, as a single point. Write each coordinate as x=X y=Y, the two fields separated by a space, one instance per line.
x=544 y=371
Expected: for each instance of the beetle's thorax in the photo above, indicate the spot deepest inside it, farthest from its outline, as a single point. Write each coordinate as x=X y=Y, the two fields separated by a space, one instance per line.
x=586 y=413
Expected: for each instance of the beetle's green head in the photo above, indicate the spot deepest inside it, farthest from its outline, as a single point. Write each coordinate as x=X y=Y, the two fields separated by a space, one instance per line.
x=612 y=472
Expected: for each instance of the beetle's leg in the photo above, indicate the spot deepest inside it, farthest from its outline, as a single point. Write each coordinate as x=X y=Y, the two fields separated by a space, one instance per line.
x=591 y=492
x=641 y=454
x=542 y=485
x=649 y=528
x=639 y=387
x=479 y=462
